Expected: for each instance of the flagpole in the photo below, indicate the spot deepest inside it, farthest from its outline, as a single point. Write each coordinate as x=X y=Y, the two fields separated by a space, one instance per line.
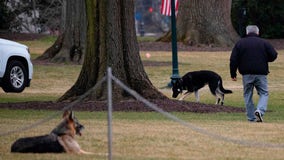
x=175 y=71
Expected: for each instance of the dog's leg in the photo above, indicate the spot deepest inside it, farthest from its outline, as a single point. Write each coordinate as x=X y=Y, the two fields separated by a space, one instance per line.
x=84 y=152
x=196 y=93
x=71 y=146
x=63 y=141
x=219 y=97
x=184 y=95
x=217 y=100
x=222 y=99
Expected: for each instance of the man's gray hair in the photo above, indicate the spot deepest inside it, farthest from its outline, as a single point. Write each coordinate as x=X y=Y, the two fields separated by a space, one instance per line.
x=252 y=29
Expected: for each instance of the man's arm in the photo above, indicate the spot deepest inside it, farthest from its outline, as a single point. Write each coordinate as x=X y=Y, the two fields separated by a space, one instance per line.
x=272 y=54
x=234 y=63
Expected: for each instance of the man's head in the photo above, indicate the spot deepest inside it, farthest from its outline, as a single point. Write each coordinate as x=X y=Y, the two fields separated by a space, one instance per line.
x=252 y=29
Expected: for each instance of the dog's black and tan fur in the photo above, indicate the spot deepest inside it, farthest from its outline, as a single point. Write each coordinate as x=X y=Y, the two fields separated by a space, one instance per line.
x=61 y=139
x=193 y=81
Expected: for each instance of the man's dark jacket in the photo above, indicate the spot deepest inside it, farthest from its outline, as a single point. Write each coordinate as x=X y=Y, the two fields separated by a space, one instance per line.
x=251 y=55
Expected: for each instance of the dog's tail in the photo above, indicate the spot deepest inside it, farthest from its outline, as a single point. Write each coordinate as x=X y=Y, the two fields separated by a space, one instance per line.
x=222 y=89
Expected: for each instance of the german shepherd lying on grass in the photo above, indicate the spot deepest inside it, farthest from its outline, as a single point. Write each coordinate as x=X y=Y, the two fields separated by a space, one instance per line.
x=193 y=81
x=61 y=139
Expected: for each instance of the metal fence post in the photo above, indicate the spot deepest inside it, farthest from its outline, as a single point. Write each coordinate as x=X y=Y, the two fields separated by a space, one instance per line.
x=109 y=102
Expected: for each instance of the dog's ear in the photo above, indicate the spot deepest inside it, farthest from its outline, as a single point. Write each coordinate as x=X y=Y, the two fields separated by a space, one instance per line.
x=68 y=114
x=71 y=115
x=174 y=82
x=179 y=81
x=65 y=114
x=180 y=84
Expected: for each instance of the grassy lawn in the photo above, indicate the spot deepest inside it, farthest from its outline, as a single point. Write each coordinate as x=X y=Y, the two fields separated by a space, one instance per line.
x=151 y=136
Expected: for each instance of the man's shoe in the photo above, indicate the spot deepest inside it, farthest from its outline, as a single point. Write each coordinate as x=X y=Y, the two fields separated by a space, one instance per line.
x=258 y=116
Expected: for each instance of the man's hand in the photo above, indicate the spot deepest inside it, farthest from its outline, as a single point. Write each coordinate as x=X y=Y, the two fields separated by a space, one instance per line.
x=234 y=79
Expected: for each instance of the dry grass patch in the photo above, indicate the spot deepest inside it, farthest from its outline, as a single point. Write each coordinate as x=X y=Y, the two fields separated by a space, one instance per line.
x=169 y=140
x=153 y=139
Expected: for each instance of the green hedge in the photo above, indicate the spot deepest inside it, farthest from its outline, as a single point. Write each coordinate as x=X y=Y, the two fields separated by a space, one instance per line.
x=267 y=14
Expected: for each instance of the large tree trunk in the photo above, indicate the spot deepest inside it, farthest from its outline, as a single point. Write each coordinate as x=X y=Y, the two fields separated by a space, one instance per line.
x=70 y=45
x=204 y=22
x=111 y=41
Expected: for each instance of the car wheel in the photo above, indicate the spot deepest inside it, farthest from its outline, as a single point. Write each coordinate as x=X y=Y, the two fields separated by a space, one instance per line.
x=15 y=77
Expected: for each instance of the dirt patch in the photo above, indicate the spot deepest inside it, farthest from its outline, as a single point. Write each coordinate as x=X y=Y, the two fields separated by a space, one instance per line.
x=168 y=105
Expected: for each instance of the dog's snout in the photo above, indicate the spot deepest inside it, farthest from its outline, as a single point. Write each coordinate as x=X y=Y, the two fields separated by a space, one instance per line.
x=80 y=127
x=175 y=94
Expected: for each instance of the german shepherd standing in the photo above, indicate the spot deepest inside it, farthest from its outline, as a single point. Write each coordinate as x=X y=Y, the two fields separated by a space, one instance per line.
x=193 y=81
x=61 y=139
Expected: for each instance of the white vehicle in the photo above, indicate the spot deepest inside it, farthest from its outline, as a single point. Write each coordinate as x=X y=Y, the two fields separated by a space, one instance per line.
x=16 y=68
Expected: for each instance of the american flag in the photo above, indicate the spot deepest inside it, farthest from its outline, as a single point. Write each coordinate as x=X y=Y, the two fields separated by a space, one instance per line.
x=166 y=7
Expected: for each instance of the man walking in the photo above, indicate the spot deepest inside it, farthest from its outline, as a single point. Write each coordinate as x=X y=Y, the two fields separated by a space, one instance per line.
x=250 y=56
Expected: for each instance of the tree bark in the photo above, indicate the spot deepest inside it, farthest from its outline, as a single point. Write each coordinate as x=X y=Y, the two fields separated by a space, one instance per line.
x=70 y=45
x=111 y=41
x=202 y=22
